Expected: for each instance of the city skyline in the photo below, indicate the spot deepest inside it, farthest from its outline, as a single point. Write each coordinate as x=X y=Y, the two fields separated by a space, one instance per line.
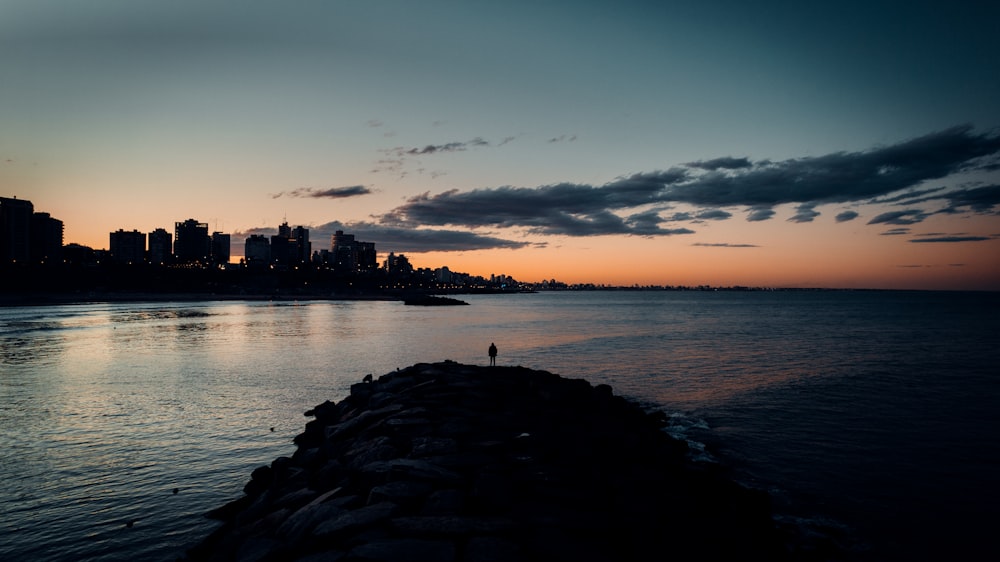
x=31 y=239
x=848 y=145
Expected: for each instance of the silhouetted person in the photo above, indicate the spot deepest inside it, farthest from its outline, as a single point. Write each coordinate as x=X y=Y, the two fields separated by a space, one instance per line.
x=493 y=354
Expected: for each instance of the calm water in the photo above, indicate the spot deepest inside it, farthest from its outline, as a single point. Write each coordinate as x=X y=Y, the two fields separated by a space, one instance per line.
x=871 y=415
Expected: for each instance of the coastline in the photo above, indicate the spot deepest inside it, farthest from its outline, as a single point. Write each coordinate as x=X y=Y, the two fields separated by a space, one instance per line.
x=448 y=461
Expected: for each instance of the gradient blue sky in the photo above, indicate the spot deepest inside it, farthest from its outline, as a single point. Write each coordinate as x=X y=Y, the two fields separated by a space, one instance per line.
x=847 y=144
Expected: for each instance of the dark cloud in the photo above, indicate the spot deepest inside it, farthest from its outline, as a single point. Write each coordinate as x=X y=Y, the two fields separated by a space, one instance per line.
x=327 y=193
x=570 y=209
x=951 y=239
x=896 y=232
x=723 y=245
x=839 y=177
x=648 y=224
x=563 y=138
x=758 y=214
x=902 y=218
x=678 y=217
x=438 y=148
x=846 y=216
x=910 y=197
x=399 y=157
x=714 y=215
x=601 y=222
x=980 y=199
x=724 y=163
x=843 y=177
x=804 y=213
x=519 y=206
x=604 y=222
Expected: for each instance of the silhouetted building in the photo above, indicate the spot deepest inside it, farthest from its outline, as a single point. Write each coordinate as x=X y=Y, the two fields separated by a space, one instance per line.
x=340 y=239
x=220 y=248
x=281 y=249
x=303 y=247
x=79 y=255
x=367 y=258
x=15 y=229
x=191 y=242
x=257 y=251
x=290 y=247
x=127 y=247
x=46 y=240
x=343 y=252
x=501 y=280
x=160 y=244
x=347 y=255
x=398 y=265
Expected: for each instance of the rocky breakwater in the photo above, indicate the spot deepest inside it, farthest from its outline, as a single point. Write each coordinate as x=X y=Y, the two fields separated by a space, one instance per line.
x=451 y=462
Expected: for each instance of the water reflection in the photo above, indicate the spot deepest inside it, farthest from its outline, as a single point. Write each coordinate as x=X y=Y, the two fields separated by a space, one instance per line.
x=28 y=350
x=28 y=341
x=109 y=405
x=188 y=327
x=133 y=399
x=125 y=316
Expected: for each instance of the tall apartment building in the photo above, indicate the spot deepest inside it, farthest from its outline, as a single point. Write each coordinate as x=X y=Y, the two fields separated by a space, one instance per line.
x=281 y=245
x=127 y=247
x=191 y=242
x=290 y=246
x=46 y=243
x=220 y=248
x=303 y=247
x=398 y=265
x=257 y=251
x=15 y=230
x=348 y=255
x=160 y=247
x=367 y=257
x=343 y=252
x=27 y=236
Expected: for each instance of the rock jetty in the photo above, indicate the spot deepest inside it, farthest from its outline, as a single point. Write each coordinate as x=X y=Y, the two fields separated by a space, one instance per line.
x=450 y=462
x=431 y=300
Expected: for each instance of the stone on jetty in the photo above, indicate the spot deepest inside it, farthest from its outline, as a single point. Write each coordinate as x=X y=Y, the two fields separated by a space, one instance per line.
x=449 y=462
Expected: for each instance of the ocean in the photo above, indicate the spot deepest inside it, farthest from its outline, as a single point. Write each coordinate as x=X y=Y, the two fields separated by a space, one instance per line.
x=870 y=417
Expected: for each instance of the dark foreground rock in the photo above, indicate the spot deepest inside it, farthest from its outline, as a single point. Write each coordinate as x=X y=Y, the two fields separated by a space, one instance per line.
x=450 y=462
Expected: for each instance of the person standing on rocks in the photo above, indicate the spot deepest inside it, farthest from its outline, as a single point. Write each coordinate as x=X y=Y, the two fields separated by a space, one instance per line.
x=493 y=354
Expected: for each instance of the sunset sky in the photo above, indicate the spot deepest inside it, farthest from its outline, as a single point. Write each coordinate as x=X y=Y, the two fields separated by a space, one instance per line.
x=834 y=144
